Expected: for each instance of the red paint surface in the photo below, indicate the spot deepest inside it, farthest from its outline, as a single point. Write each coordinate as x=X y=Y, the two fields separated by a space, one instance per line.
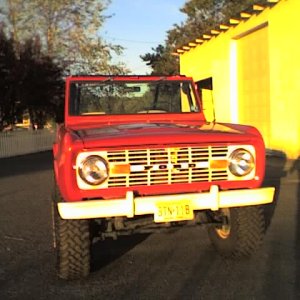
x=102 y=132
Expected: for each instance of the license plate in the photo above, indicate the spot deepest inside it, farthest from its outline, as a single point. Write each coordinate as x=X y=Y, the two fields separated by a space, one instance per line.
x=172 y=211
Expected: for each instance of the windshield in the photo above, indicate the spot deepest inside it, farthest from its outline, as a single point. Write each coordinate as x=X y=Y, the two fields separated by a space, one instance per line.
x=119 y=97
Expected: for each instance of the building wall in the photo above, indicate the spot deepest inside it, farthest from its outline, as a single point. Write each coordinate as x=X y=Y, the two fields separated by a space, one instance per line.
x=255 y=68
x=254 y=80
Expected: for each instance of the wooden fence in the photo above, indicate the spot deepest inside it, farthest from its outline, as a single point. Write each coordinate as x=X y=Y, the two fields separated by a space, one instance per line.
x=15 y=143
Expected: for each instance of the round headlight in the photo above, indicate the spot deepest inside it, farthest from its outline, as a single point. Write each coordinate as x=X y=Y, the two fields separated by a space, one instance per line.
x=93 y=170
x=241 y=162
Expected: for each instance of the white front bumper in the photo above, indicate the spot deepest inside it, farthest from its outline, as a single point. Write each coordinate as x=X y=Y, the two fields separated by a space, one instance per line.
x=135 y=206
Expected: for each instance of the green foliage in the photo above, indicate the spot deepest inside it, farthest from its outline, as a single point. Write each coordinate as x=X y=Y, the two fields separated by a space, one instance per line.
x=29 y=81
x=68 y=31
x=40 y=84
x=161 y=61
x=7 y=80
x=201 y=16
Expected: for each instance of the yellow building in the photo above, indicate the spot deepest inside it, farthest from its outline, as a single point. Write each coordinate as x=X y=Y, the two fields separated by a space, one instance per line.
x=252 y=67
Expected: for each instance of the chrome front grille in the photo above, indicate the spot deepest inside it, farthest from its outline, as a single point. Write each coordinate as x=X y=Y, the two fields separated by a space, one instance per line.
x=167 y=166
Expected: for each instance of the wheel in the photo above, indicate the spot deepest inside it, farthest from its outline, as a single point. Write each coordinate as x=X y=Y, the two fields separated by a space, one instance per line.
x=241 y=232
x=72 y=244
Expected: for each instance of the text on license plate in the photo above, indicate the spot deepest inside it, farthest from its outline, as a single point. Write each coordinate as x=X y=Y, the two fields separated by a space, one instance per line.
x=171 y=211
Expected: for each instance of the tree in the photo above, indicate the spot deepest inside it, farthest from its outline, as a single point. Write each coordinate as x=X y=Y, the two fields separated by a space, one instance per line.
x=161 y=61
x=202 y=15
x=11 y=13
x=40 y=84
x=7 y=71
x=68 y=32
x=29 y=82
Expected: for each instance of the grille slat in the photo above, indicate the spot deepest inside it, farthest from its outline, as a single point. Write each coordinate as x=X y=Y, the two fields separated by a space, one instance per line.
x=168 y=166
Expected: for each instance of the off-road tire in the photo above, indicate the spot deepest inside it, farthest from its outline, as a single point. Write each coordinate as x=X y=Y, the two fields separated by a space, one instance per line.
x=244 y=235
x=72 y=244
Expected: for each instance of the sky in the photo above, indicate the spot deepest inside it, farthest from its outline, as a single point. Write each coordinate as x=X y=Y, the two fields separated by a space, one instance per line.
x=138 y=26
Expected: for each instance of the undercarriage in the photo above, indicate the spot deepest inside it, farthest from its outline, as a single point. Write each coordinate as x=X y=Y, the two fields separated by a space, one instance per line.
x=120 y=226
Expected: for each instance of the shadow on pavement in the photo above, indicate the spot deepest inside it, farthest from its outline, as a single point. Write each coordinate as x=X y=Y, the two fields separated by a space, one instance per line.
x=109 y=250
x=20 y=165
x=275 y=171
x=296 y=168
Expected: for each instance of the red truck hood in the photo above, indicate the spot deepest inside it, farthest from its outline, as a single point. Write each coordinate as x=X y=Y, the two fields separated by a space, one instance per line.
x=162 y=134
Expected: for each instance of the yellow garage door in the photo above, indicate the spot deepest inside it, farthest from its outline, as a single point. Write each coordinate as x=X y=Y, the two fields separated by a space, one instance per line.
x=253 y=81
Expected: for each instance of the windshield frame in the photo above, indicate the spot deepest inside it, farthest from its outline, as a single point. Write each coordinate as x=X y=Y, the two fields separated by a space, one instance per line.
x=124 y=118
x=159 y=101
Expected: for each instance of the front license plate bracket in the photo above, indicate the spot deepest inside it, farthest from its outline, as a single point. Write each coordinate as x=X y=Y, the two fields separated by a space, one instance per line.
x=173 y=211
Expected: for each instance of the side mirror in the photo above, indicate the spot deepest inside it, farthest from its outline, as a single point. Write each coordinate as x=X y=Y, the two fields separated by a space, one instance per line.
x=208 y=105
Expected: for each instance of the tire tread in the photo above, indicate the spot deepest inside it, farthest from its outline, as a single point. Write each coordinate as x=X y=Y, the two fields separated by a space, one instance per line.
x=246 y=235
x=72 y=245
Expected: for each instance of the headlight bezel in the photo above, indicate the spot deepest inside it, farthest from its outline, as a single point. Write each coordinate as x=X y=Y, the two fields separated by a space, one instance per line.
x=242 y=162
x=86 y=179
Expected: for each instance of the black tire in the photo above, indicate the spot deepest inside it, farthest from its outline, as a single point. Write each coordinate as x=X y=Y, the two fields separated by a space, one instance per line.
x=72 y=244
x=242 y=236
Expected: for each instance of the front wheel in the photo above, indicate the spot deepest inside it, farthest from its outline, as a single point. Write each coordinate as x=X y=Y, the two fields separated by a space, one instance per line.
x=240 y=232
x=72 y=245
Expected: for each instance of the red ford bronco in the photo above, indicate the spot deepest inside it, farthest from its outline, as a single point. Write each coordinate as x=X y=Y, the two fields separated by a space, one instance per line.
x=136 y=154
